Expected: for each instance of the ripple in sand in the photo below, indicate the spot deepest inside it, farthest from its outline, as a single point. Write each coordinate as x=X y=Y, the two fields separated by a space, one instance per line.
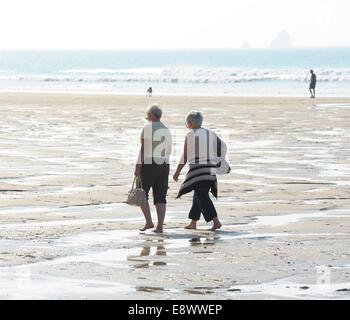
x=279 y=220
x=290 y=289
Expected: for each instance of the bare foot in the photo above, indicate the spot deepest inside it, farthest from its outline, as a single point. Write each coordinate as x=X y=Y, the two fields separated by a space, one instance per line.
x=146 y=227
x=191 y=227
x=216 y=226
x=157 y=230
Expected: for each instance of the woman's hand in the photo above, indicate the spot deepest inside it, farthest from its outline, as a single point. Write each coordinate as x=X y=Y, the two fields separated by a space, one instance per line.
x=176 y=176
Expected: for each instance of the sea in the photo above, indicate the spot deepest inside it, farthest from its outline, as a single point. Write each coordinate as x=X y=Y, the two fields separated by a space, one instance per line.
x=232 y=72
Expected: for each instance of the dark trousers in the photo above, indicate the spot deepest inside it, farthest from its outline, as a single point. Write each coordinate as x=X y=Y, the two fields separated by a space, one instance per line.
x=155 y=176
x=202 y=202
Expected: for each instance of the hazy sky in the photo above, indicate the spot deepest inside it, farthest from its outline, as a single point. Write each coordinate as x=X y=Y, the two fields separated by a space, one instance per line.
x=130 y=24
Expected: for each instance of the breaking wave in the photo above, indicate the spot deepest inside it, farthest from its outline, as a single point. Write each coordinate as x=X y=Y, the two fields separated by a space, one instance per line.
x=181 y=75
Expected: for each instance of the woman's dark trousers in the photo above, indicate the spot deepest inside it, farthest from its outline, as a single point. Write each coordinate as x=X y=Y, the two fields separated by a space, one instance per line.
x=202 y=202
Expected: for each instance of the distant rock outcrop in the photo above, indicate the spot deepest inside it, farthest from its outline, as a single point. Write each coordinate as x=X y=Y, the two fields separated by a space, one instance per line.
x=282 y=41
x=246 y=45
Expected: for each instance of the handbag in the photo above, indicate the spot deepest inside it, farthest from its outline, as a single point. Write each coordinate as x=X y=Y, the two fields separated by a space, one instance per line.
x=136 y=196
x=223 y=167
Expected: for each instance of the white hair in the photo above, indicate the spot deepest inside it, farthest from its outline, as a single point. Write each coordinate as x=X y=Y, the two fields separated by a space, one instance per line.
x=195 y=117
x=154 y=110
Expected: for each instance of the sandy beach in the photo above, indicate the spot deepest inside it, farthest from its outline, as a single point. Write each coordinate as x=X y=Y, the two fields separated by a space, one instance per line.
x=67 y=162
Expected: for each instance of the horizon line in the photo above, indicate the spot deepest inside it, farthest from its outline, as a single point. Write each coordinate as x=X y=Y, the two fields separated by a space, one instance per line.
x=174 y=49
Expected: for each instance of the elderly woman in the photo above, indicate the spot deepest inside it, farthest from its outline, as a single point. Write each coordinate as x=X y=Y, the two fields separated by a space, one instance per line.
x=202 y=150
x=153 y=165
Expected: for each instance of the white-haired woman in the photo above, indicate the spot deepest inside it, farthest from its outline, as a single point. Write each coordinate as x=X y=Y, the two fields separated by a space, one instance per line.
x=202 y=149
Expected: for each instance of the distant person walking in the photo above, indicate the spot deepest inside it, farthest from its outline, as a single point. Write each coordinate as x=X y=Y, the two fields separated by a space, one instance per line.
x=149 y=92
x=312 y=87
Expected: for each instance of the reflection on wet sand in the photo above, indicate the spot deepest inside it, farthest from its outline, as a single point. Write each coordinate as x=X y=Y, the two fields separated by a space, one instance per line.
x=148 y=245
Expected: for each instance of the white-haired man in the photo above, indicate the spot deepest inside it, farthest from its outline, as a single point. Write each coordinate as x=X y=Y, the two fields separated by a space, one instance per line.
x=153 y=165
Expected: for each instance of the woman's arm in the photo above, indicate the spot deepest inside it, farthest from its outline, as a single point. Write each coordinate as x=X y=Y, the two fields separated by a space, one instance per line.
x=182 y=162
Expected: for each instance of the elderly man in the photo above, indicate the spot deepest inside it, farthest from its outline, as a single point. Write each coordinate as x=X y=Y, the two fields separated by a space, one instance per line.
x=153 y=165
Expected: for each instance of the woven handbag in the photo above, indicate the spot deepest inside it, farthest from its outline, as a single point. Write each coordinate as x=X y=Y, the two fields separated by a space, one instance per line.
x=136 y=196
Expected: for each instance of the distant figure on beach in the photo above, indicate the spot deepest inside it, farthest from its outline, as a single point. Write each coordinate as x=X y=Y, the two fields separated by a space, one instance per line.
x=149 y=92
x=153 y=165
x=312 y=87
x=202 y=148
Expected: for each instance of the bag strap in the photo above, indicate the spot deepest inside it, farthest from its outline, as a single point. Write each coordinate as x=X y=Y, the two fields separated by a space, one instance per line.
x=133 y=183
x=207 y=132
x=218 y=147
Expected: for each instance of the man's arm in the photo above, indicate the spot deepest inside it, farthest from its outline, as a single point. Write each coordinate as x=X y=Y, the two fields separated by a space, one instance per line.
x=139 y=159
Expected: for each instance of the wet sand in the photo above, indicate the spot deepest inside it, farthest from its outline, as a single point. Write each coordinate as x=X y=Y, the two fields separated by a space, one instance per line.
x=66 y=164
